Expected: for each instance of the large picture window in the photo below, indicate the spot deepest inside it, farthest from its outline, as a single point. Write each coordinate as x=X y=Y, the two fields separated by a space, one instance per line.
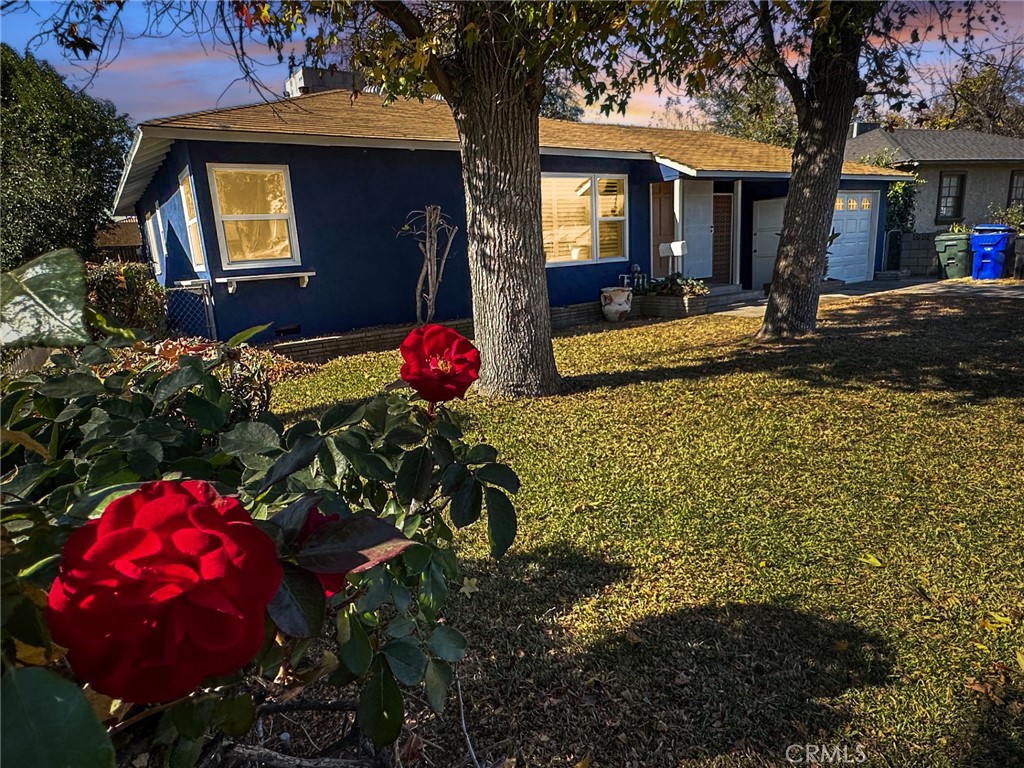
x=584 y=218
x=951 y=197
x=188 y=202
x=255 y=219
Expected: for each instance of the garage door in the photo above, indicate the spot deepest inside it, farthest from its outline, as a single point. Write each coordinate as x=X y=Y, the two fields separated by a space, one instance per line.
x=852 y=254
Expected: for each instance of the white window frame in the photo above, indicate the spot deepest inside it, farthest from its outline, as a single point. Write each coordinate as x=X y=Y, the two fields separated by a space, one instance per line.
x=199 y=264
x=153 y=236
x=596 y=218
x=293 y=237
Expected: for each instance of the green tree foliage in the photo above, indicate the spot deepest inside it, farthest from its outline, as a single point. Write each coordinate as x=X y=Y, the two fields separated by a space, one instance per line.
x=561 y=101
x=986 y=96
x=761 y=111
x=60 y=160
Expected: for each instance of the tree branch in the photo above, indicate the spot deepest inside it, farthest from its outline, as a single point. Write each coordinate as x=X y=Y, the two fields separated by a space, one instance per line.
x=272 y=759
x=400 y=14
x=789 y=76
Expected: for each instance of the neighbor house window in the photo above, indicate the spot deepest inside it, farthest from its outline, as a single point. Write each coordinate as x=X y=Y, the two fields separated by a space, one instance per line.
x=255 y=219
x=1016 y=188
x=584 y=218
x=188 y=201
x=153 y=240
x=951 y=197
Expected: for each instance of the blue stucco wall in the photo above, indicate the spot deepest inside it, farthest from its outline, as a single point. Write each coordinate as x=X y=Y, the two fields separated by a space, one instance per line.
x=349 y=205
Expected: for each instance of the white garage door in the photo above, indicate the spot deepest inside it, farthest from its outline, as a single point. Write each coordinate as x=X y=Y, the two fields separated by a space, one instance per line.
x=852 y=254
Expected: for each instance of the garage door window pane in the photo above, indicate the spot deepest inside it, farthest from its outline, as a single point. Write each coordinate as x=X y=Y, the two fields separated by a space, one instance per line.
x=865 y=203
x=851 y=204
x=839 y=204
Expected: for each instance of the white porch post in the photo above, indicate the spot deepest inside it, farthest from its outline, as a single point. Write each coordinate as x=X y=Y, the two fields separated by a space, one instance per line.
x=677 y=210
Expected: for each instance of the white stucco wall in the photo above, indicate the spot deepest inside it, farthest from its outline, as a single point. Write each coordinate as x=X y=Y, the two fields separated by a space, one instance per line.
x=985 y=184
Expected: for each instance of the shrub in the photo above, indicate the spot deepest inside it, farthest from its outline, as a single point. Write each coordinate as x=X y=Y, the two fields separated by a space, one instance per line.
x=127 y=294
x=1012 y=215
x=356 y=512
x=677 y=285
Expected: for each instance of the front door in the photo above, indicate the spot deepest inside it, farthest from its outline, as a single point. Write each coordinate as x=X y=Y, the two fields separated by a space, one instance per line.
x=698 y=227
x=721 y=249
x=663 y=225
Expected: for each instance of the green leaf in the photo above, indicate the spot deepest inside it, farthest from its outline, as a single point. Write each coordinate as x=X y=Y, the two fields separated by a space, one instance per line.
x=192 y=717
x=250 y=437
x=401 y=626
x=206 y=414
x=243 y=336
x=501 y=522
x=500 y=475
x=298 y=607
x=406 y=659
x=366 y=464
x=447 y=643
x=71 y=386
x=352 y=545
x=357 y=652
x=381 y=709
x=184 y=377
x=95 y=502
x=341 y=415
x=433 y=591
x=414 y=475
x=236 y=716
x=46 y=722
x=41 y=302
x=299 y=457
x=436 y=679
x=106 y=326
x=481 y=454
x=466 y=502
x=292 y=519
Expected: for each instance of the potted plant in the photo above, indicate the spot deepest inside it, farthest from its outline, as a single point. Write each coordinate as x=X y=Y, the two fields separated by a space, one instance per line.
x=675 y=296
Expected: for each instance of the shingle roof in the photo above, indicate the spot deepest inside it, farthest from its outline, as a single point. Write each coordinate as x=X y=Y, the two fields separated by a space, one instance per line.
x=338 y=114
x=921 y=145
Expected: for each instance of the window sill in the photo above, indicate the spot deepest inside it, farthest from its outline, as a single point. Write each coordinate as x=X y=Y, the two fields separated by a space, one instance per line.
x=584 y=262
x=232 y=282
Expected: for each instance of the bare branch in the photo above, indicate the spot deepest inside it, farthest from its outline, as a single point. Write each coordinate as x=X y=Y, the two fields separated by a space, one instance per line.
x=272 y=759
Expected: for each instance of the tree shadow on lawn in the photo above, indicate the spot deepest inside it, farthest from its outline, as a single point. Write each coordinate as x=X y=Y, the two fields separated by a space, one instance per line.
x=736 y=682
x=968 y=346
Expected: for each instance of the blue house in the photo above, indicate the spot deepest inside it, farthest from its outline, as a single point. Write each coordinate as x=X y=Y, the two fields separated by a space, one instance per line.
x=287 y=212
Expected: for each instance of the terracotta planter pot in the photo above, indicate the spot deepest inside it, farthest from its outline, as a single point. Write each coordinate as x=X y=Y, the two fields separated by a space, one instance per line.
x=616 y=303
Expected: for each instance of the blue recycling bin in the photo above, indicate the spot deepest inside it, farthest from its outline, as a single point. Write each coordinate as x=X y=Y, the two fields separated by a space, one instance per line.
x=992 y=245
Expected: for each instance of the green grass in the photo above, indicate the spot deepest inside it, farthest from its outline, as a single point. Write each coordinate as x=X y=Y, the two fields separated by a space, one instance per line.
x=727 y=548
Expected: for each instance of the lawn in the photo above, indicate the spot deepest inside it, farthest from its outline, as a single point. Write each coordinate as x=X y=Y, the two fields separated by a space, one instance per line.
x=728 y=548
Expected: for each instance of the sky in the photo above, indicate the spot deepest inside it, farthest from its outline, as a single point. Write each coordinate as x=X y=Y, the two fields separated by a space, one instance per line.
x=174 y=74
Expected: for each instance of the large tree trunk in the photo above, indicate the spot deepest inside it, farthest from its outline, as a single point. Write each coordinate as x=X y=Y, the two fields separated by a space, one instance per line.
x=824 y=108
x=498 y=122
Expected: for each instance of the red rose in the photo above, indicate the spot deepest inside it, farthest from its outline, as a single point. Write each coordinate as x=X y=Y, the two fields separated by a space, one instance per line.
x=440 y=363
x=332 y=582
x=168 y=587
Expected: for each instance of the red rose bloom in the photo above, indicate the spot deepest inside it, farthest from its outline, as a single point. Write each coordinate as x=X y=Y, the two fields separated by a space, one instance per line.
x=331 y=582
x=440 y=363
x=168 y=587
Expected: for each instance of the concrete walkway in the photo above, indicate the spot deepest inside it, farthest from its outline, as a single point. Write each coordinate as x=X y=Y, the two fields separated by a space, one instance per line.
x=987 y=288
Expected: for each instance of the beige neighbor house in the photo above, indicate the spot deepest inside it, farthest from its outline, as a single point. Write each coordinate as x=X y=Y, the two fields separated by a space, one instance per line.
x=964 y=174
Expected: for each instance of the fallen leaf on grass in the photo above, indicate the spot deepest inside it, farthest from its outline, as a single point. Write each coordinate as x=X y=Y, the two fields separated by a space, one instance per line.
x=871 y=559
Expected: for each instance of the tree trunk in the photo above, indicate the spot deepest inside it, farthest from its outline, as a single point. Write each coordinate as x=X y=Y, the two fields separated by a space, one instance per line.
x=832 y=87
x=497 y=115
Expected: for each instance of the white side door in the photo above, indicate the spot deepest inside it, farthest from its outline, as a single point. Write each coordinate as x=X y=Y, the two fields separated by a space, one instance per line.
x=698 y=227
x=767 y=229
x=851 y=257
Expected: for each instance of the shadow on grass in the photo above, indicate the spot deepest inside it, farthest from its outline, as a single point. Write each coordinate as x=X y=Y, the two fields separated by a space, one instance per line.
x=736 y=681
x=964 y=345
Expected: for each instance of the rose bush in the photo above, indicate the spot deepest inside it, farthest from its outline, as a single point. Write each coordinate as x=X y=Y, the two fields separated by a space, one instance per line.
x=440 y=363
x=169 y=586
x=102 y=471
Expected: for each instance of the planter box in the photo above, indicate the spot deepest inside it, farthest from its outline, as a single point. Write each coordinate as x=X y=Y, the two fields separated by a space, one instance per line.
x=670 y=306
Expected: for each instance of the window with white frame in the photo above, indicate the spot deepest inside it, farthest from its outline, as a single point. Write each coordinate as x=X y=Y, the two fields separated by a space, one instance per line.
x=153 y=240
x=255 y=219
x=188 y=202
x=583 y=218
